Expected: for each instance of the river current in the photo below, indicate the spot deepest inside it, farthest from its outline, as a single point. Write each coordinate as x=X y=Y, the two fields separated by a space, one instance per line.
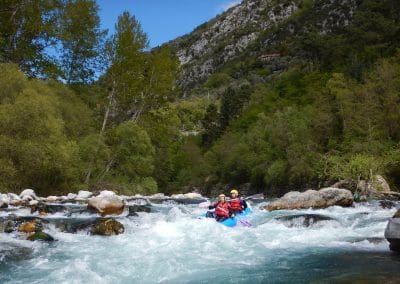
x=171 y=245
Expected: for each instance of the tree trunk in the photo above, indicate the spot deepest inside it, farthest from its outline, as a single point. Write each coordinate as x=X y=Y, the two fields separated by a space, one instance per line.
x=103 y=128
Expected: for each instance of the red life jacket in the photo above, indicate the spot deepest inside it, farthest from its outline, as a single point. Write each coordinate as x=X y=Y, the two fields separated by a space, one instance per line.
x=236 y=205
x=222 y=209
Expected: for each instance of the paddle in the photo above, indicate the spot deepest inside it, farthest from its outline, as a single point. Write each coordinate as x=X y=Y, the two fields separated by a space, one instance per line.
x=245 y=222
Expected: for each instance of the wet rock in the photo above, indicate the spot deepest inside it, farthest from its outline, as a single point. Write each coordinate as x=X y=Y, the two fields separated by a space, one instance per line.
x=83 y=195
x=107 y=193
x=15 y=200
x=52 y=198
x=134 y=209
x=74 y=225
x=40 y=236
x=392 y=232
x=387 y=204
x=71 y=196
x=33 y=202
x=12 y=252
x=106 y=205
x=303 y=220
x=107 y=227
x=28 y=195
x=313 y=199
x=42 y=207
x=30 y=227
x=3 y=205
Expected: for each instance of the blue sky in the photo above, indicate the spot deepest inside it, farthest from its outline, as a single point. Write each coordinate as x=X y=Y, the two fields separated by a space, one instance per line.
x=163 y=20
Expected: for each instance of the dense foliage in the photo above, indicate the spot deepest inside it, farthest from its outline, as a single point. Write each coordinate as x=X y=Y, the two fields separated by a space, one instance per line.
x=80 y=109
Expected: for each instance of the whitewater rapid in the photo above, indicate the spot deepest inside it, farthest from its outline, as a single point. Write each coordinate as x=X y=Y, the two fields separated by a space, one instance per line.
x=172 y=245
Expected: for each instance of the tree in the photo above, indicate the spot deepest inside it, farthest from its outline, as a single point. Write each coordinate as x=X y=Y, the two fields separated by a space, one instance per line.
x=80 y=36
x=34 y=150
x=124 y=78
x=27 y=28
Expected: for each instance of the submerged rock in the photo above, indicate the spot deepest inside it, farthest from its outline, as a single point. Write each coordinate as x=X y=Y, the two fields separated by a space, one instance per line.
x=107 y=227
x=387 y=204
x=392 y=232
x=134 y=209
x=48 y=208
x=313 y=199
x=303 y=220
x=13 y=252
x=106 y=205
x=40 y=236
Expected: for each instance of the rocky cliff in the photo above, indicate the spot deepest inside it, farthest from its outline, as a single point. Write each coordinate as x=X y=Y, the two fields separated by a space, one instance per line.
x=260 y=28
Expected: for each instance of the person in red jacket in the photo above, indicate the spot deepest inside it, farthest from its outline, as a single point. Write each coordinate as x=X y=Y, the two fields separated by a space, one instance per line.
x=237 y=204
x=222 y=209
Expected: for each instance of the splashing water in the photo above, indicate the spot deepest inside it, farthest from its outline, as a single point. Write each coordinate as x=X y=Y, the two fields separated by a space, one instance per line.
x=174 y=246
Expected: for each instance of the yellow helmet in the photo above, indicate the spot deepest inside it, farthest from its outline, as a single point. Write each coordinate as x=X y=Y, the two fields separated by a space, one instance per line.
x=221 y=195
x=234 y=191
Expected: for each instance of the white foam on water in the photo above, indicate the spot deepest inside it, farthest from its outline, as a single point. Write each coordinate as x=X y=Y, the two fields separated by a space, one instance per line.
x=174 y=246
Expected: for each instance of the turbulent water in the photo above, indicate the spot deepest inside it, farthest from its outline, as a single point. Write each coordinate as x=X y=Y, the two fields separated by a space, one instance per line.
x=173 y=246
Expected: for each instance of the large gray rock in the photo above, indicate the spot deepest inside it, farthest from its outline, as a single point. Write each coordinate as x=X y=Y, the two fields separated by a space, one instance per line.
x=83 y=195
x=28 y=195
x=313 y=199
x=392 y=232
x=106 y=205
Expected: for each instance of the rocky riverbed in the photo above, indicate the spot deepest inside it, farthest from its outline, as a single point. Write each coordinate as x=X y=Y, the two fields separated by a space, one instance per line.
x=159 y=239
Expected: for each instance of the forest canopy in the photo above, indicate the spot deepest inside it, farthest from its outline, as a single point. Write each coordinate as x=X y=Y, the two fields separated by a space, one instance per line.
x=82 y=108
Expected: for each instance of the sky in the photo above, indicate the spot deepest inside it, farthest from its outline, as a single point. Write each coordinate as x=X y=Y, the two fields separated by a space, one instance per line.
x=163 y=20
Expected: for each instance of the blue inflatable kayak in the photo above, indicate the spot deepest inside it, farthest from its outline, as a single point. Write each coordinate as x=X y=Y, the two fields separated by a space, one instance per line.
x=239 y=218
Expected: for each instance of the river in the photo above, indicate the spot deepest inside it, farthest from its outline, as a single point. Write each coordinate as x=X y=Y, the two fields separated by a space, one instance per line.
x=172 y=245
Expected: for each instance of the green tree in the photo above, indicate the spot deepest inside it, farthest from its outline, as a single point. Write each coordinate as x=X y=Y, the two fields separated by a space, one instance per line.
x=27 y=28
x=80 y=36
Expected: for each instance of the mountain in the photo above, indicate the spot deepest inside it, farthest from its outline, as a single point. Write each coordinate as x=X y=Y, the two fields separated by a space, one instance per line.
x=263 y=29
x=294 y=94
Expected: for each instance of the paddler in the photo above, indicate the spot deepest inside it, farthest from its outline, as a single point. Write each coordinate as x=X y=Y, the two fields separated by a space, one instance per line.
x=238 y=205
x=222 y=208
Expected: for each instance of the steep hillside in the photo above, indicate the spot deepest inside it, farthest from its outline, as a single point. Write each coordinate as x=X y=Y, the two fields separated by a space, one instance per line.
x=259 y=28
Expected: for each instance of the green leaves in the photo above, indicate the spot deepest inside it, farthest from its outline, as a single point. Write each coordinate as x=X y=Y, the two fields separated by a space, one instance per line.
x=34 y=147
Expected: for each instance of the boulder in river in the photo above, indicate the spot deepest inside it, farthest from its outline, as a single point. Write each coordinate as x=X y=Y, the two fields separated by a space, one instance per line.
x=83 y=195
x=313 y=199
x=71 y=196
x=107 y=227
x=40 y=236
x=3 y=204
x=30 y=227
x=303 y=220
x=134 y=209
x=392 y=232
x=106 y=205
x=28 y=195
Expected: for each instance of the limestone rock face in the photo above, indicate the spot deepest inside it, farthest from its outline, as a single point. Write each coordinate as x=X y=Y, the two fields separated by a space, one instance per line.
x=229 y=35
x=313 y=199
x=107 y=205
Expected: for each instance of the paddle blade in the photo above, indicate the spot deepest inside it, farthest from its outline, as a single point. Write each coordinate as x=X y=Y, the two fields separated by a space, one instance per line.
x=245 y=222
